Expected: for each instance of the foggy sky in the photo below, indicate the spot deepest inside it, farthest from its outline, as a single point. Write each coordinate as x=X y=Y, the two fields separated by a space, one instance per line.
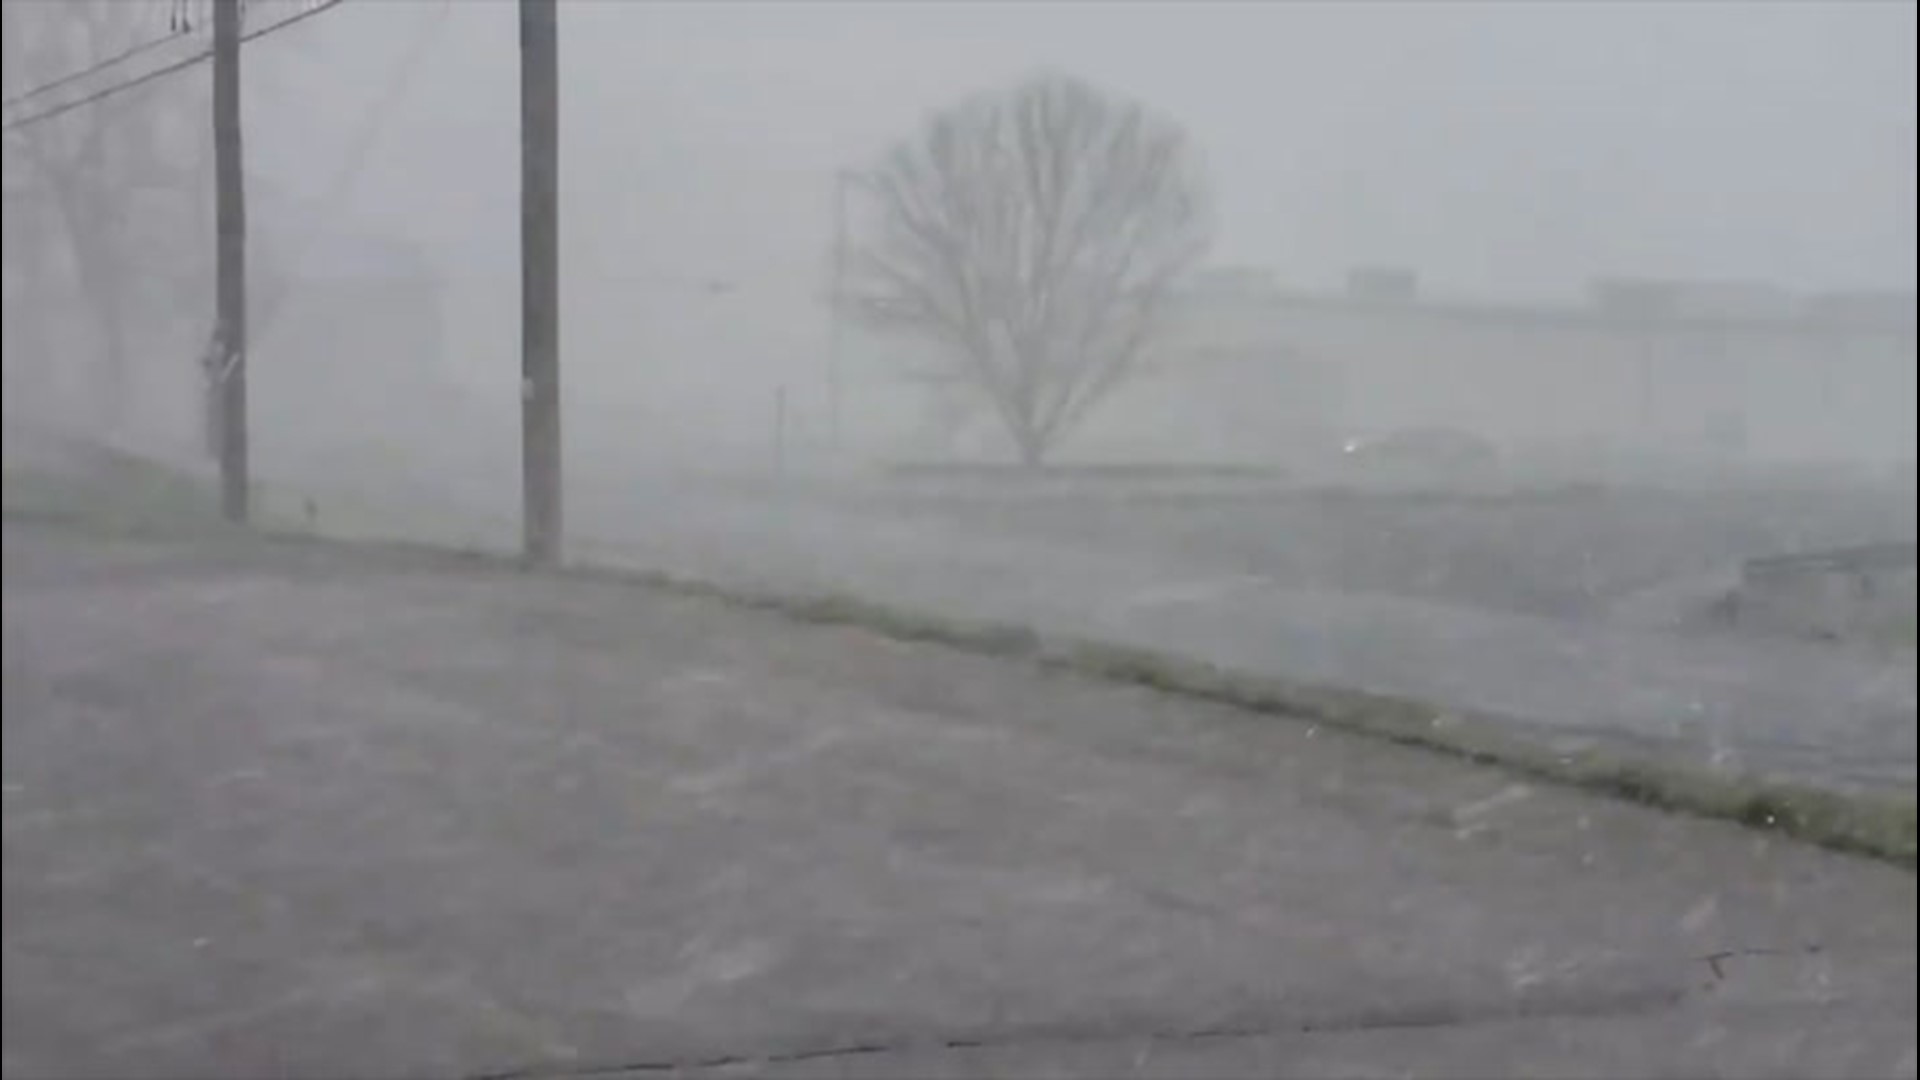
x=1505 y=149
x=1498 y=147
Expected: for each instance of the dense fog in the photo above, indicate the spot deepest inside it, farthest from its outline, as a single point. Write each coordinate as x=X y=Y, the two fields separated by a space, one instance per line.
x=1158 y=539
x=1574 y=312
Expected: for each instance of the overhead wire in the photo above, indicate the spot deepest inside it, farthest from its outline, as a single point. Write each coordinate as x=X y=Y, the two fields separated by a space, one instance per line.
x=199 y=57
x=95 y=68
x=103 y=94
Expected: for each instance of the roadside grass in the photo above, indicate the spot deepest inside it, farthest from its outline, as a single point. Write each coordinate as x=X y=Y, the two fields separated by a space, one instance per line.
x=1877 y=826
x=120 y=493
x=1872 y=825
x=113 y=491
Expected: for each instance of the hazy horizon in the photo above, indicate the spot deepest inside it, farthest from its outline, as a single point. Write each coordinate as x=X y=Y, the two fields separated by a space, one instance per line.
x=1496 y=148
x=1504 y=151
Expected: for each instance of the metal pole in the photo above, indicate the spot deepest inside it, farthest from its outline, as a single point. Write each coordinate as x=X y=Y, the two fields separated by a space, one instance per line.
x=836 y=301
x=229 y=369
x=780 y=429
x=540 y=281
x=1647 y=396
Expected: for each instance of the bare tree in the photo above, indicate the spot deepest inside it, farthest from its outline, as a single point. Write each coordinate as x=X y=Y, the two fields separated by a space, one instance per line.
x=1032 y=237
x=109 y=192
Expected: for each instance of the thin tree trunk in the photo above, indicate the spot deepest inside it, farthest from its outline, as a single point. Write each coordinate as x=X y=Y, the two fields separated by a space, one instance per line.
x=1032 y=447
x=116 y=373
x=111 y=375
x=99 y=284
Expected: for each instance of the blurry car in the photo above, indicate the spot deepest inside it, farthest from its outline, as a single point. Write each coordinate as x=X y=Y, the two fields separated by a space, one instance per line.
x=1439 y=454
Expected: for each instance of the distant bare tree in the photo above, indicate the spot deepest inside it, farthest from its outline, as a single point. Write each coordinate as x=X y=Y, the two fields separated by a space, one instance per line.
x=109 y=192
x=1032 y=237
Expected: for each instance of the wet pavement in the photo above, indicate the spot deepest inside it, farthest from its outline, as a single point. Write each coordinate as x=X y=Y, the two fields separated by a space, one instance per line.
x=314 y=812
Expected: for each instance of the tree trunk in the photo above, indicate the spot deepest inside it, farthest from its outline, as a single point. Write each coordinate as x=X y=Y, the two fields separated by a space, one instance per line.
x=1032 y=447
x=115 y=381
x=27 y=356
x=100 y=284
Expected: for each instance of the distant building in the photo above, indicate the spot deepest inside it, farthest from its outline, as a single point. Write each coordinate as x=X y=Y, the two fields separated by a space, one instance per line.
x=1659 y=368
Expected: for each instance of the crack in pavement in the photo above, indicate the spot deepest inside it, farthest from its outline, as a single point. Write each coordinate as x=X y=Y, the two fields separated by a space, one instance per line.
x=1716 y=959
x=1624 y=1003
x=1639 y=1001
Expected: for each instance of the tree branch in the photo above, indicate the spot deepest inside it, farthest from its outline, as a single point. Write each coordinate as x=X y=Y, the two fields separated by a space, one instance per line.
x=1035 y=234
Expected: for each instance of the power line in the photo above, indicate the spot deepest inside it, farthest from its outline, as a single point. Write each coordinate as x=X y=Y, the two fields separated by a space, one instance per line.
x=158 y=73
x=103 y=94
x=91 y=70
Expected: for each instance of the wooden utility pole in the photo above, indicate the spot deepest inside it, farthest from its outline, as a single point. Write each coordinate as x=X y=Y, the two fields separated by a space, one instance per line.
x=228 y=360
x=540 y=477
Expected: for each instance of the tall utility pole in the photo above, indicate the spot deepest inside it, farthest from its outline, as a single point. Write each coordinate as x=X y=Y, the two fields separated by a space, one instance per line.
x=229 y=358
x=836 y=300
x=540 y=477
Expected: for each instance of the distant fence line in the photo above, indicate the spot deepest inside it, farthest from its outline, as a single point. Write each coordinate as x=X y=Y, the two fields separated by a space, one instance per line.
x=1866 y=557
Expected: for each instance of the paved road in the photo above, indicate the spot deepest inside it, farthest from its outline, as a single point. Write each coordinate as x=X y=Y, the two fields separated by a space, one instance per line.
x=315 y=814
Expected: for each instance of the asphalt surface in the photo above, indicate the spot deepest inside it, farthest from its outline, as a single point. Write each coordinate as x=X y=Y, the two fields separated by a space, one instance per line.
x=311 y=813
